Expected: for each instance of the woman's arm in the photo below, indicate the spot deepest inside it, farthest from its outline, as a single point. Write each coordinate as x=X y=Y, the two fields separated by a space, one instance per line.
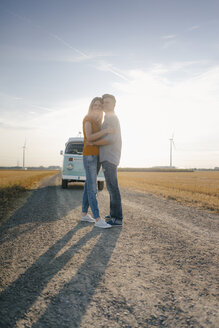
x=101 y=142
x=94 y=136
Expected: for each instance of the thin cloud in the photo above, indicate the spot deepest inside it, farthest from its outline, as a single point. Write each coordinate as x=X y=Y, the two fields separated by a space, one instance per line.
x=52 y=35
x=168 y=37
x=83 y=55
x=22 y=101
x=170 y=40
x=48 y=55
x=8 y=126
x=168 y=44
x=43 y=108
x=194 y=27
x=178 y=66
x=189 y=106
x=13 y=97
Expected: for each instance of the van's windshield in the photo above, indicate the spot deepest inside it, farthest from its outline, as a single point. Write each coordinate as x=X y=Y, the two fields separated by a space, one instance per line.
x=74 y=148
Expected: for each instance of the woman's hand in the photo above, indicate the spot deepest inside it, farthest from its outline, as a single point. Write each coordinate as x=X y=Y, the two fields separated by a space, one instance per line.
x=89 y=143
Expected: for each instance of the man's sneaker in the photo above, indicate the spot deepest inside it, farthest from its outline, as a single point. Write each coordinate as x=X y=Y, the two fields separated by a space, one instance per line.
x=102 y=224
x=87 y=218
x=108 y=217
x=115 y=222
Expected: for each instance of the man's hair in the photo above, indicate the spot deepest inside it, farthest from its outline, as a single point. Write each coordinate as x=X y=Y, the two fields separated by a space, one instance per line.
x=109 y=96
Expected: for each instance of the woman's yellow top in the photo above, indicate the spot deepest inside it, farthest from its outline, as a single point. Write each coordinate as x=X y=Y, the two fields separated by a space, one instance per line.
x=90 y=150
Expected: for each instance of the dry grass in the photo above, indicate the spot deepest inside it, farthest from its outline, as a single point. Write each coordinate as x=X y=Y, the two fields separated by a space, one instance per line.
x=14 y=183
x=26 y=179
x=200 y=189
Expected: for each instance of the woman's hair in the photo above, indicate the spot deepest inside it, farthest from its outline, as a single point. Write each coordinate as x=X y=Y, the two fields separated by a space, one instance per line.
x=91 y=107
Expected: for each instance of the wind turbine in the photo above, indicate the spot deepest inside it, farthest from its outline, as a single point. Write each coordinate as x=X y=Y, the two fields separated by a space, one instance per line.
x=24 y=149
x=171 y=150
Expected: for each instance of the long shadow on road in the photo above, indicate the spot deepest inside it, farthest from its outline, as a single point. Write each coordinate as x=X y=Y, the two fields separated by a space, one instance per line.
x=17 y=299
x=45 y=204
x=67 y=308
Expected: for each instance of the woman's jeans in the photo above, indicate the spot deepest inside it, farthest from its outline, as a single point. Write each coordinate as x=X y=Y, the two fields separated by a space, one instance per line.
x=92 y=167
x=110 y=173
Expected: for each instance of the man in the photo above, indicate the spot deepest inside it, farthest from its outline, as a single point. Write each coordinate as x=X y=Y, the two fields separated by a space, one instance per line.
x=109 y=154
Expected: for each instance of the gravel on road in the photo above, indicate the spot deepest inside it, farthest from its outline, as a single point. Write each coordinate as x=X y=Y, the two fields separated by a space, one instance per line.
x=159 y=270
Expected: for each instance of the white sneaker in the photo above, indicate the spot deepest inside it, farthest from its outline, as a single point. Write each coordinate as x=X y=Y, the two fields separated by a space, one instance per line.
x=87 y=218
x=102 y=224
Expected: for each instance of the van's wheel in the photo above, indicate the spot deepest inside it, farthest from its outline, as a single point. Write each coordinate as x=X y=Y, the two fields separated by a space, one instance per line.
x=64 y=183
x=100 y=185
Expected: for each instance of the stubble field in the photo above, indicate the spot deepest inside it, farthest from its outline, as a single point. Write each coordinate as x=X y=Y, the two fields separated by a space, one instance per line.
x=198 y=188
x=14 y=183
x=26 y=179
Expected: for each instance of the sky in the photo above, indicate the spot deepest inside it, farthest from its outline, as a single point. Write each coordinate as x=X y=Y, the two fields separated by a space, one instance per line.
x=160 y=58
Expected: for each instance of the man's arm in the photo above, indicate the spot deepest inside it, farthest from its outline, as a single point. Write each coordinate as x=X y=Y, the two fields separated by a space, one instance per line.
x=100 y=142
x=110 y=138
x=94 y=136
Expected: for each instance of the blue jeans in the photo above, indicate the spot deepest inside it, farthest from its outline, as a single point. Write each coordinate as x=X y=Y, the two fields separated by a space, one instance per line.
x=92 y=167
x=110 y=173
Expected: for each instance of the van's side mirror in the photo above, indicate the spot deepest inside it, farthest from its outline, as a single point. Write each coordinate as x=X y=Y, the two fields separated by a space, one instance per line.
x=61 y=152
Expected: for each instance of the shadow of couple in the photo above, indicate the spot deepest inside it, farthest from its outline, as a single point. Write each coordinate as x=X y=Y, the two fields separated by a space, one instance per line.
x=66 y=307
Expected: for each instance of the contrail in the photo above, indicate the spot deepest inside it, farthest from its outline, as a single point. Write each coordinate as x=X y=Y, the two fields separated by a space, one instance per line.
x=118 y=74
x=52 y=35
x=107 y=67
x=66 y=44
x=13 y=97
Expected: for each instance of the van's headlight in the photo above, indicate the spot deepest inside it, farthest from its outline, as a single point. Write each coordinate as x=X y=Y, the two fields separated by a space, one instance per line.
x=70 y=167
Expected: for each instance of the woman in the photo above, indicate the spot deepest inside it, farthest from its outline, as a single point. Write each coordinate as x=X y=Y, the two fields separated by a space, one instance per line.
x=91 y=129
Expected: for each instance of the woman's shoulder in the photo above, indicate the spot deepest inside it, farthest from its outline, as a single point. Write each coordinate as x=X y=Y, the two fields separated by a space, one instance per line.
x=87 y=118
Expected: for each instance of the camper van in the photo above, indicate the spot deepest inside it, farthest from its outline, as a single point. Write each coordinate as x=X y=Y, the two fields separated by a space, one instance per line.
x=73 y=168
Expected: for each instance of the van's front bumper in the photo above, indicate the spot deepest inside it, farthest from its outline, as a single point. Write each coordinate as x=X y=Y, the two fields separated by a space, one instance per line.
x=79 y=178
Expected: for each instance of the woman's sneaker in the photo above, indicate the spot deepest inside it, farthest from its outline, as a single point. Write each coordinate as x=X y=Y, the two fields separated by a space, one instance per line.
x=87 y=218
x=102 y=224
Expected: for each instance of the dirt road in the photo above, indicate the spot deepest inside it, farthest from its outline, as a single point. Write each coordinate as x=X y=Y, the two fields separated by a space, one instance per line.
x=159 y=270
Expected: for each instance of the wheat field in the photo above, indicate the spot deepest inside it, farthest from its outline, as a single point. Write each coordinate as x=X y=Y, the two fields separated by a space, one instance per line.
x=198 y=188
x=26 y=179
x=14 y=183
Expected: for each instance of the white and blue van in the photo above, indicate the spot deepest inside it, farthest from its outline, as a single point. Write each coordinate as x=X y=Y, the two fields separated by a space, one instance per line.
x=73 y=168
